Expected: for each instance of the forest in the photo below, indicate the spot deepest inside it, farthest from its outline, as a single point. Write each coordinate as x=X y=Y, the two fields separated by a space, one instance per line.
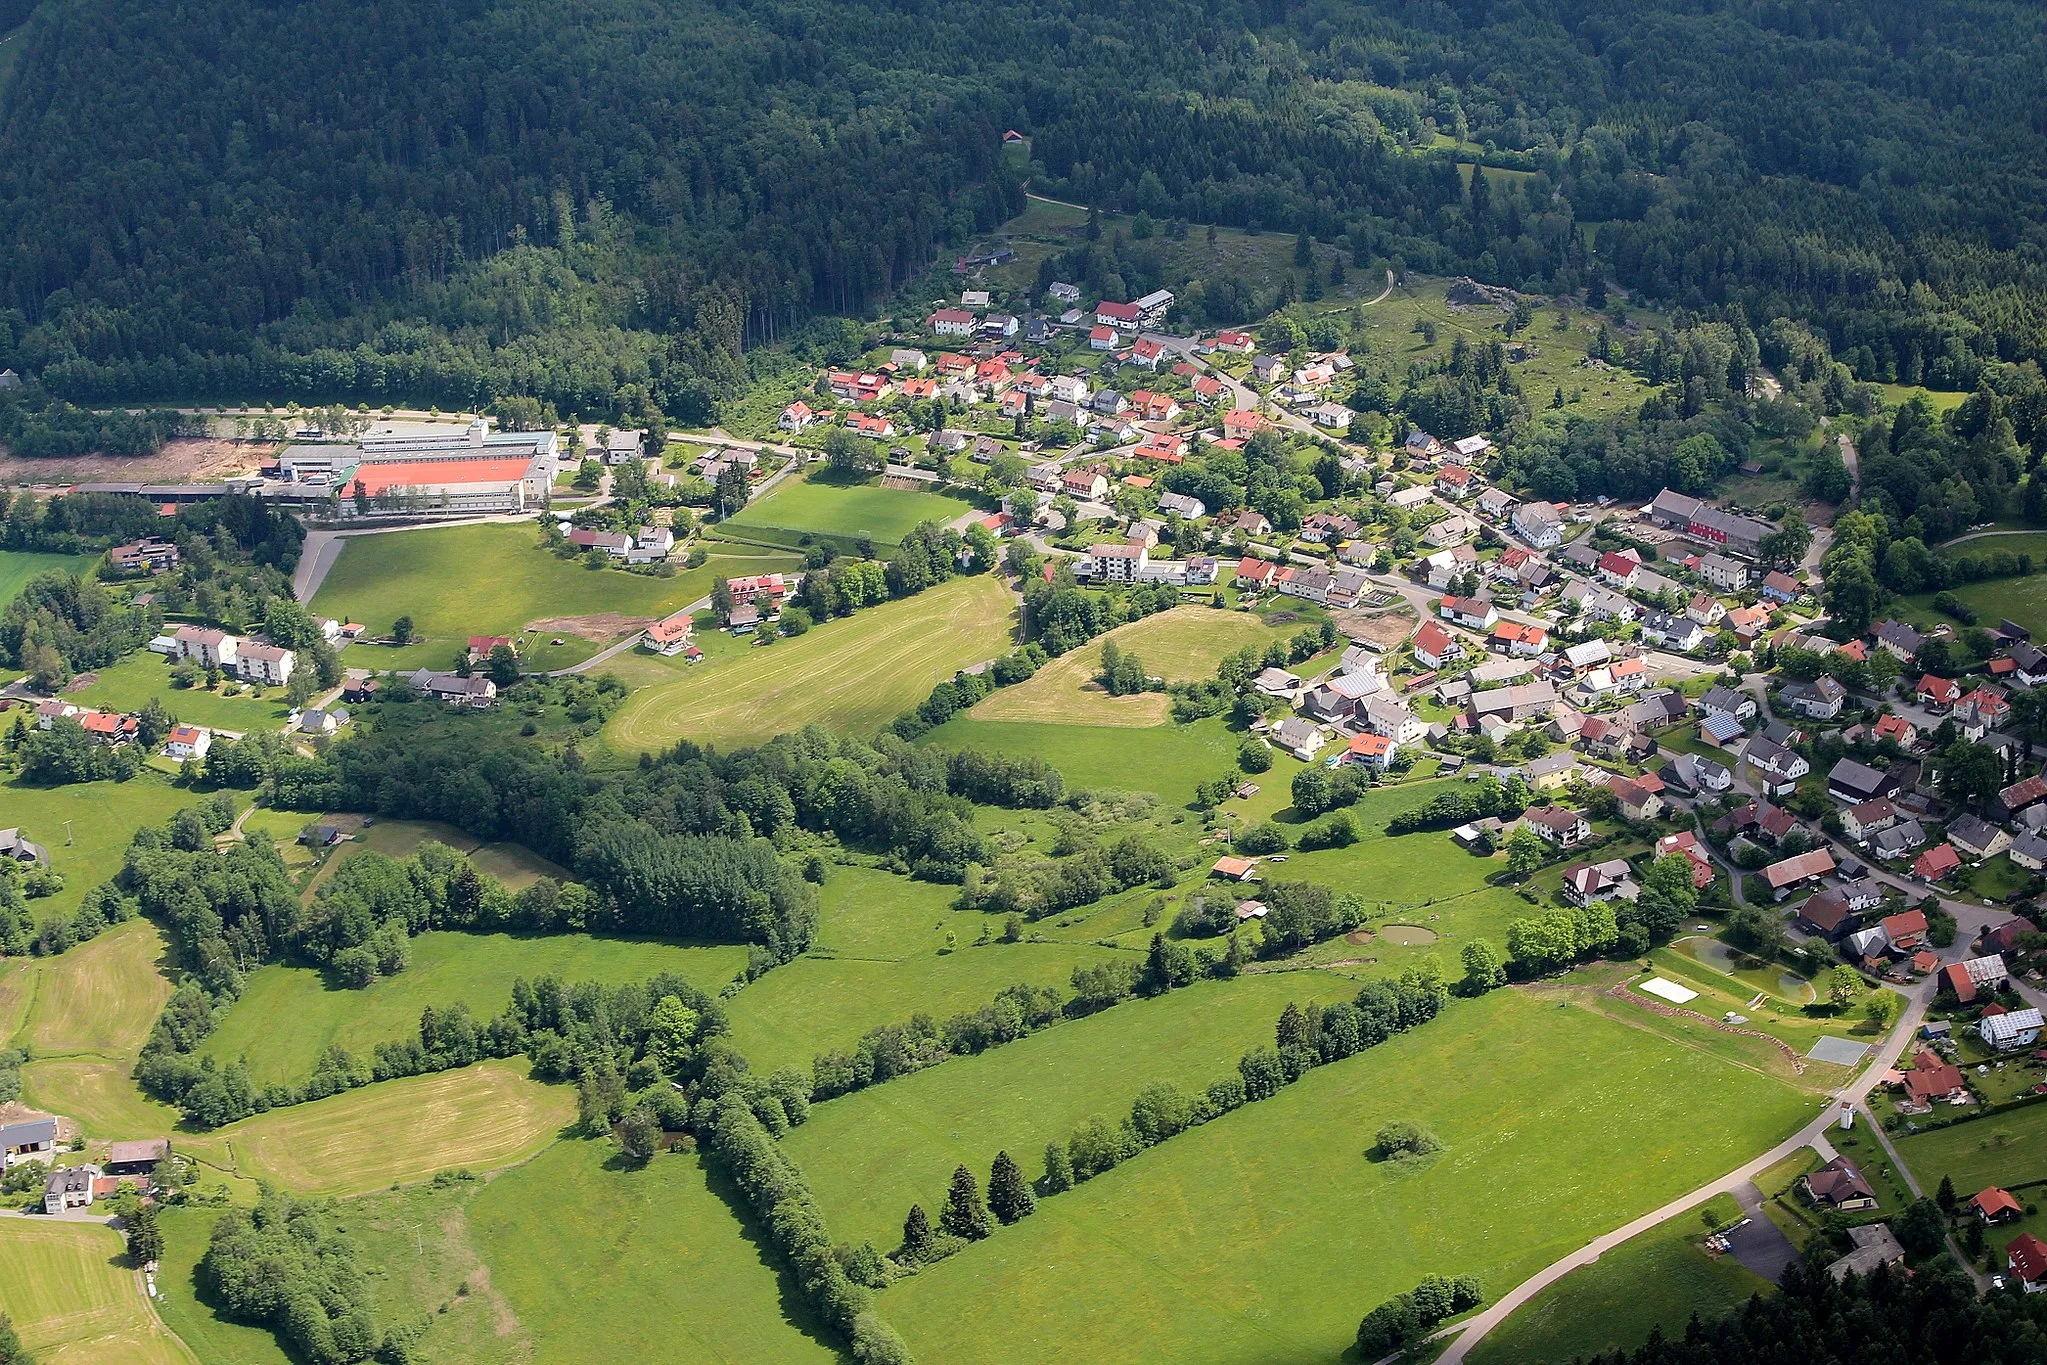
x=616 y=209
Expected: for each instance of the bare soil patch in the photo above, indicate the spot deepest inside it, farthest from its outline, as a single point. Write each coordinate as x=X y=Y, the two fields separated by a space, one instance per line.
x=184 y=459
x=602 y=627
x=1384 y=631
x=1359 y=936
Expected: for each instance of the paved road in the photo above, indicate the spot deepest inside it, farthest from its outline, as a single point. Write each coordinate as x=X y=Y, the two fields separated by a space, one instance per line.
x=1982 y=535
x=1470 y=1333
x=1759 y=1244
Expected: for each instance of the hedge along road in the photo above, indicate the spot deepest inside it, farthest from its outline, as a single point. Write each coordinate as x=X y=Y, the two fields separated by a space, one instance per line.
x=1470 y=1333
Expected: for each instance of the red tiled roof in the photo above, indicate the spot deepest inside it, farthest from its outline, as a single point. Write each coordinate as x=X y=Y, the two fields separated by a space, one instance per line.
x=2027 y=1255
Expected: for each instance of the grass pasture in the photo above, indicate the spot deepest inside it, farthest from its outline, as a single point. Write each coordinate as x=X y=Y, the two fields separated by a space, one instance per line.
x=73 y=1299
x=851 y=675
x=824 y=505
x=1266 y=1234
x=17 y=567
x=2008 y=1149
x=817 y=1003
x=288 y=1016
x=2023 y=600
x=1168 y=760
x=656 y=1253
x=1180 y=645
x=1660 y=1278
x=871 y=1154
x=481 y=1117
x=215 y=1340
x=102 y=817
x=129 y=685
x=493 y=579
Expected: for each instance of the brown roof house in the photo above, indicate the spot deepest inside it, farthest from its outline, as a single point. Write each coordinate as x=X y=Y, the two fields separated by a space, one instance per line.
x=1838 y=1185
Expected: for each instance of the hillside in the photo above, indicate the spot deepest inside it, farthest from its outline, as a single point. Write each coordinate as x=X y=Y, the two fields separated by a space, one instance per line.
x=487 y=200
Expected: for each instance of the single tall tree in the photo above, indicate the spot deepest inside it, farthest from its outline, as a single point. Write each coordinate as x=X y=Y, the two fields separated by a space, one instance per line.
x=1946 y=1197
x=1009 y=1194
x=145 y=1239
x=917 y=1245
x=965 y=1214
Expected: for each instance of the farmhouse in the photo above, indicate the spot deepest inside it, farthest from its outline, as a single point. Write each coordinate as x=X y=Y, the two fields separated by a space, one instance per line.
x=1709 y=525
x=1789 y=874
x=74 y=1187
x=1977 y=839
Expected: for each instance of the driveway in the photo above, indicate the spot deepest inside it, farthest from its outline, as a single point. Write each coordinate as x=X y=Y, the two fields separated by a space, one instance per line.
x=1759 y=1244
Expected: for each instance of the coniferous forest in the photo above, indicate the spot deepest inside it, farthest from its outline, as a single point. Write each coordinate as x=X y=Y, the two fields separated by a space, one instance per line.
x=397 y=200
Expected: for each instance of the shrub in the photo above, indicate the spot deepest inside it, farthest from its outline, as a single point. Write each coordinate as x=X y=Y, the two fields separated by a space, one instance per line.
x=1406 y=1139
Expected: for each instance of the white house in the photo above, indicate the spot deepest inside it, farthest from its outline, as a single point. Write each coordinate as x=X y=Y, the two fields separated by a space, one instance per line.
x=2015 y=1029
x=187 y=741
x=206 y=647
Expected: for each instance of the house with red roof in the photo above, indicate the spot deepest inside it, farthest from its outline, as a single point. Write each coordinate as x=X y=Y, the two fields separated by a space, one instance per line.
x=1237 y=343
x=1207 y=388
x=1242 y=422
x=1936 y=863
x=2026 y=1258
x=1101 y=338
x=1455 y=481
x=1619 y=569
x=870 y=425
x=1154 y=407
x=1997 y=1206
x=1256 y=573
x=1897 y=728
x=1372 y=750
x=1164 y=447
x=1938 y=694
x=1519 y=639
x=1146 y=352
x=1434 y=646
x=952 y=322
x=795 y=417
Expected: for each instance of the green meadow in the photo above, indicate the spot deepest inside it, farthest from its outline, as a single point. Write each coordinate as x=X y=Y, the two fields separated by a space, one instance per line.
x=1268 y=1233
x=87 y=826
x=494 y=579
x=130 y=684
x=1658 y=1279
x=288 y=1016
x=825 y=504
x=871 y=1154
x=17 y=567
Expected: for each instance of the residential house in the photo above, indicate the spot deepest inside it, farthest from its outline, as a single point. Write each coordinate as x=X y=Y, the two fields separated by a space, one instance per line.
x=1866 y=818
x=1234 y=869
x=1255 y=573
x=952 y=322
x=2010 y=1029
x=1828 y=916
x=1538 y=524
x=1435 y=646
x=1728 y=701
x=1684 y=844
x=1332 y=416
x=1375 y=751
x=1525 y=702
x=1310 y=583
x=206 y=647
x=1874 y=1245
x=1558 y=825
x=269 y=665
x=2029 y=664
x=1320 y=528
x=1838 y=1187
x=1680 y=633
x=1551 y=771
x=1122 y=316
x=74 y=1187
x=1899 y=639
x=1146 y=352
x=2025 y=1259
x=1782 y=587
x=187 y=741
x=1112 y=563
x=1619 y=569
x=1938 y=694
x=151 y=553
x=669 y=636
x=1455 y=481
x=1251 y=523
x=456 y=690
x=1937 y=863
x=1977 y=839
x=1451 y=530
x=1384 y=715
x=1696 y=776
x=1495 y=503
x=1820 y=699
x=1899 y=840
x=1788 y=874
x=1410 y=498
x=2029 y=851
x=1707 y=611
x=1298 y=736
x=1896 y=728
x=1183 y=506
x=1996 y=1206
x=1473 y=613
x=1728 y=575
x=1585 y=883
x=1470 y=448
x=1518 y=639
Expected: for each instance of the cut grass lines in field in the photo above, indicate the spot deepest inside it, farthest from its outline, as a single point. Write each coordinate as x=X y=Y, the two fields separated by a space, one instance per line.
x=1264 y=1234
x=288 y=1016
x=851 y=675
x=99 y=998
x=74 y=1300
x=1180 y=645
x=479 y=1117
